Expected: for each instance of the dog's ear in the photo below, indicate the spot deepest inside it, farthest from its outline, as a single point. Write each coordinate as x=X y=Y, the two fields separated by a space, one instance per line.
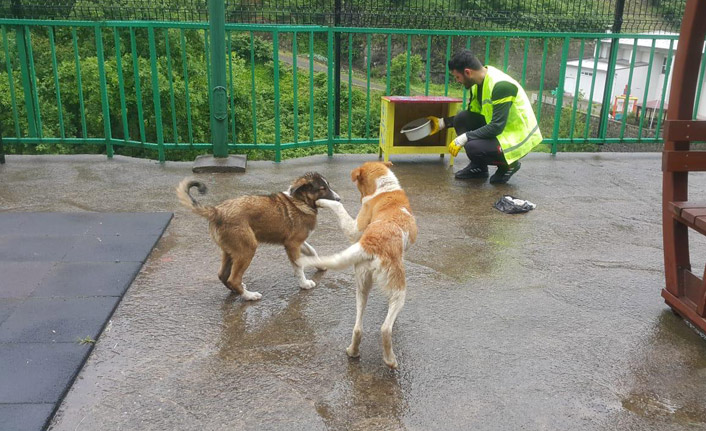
x=297 y=188
x=356 y=175
x=388 y=164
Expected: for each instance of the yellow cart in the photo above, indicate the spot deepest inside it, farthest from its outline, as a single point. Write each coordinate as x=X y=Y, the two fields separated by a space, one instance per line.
x=396 y=111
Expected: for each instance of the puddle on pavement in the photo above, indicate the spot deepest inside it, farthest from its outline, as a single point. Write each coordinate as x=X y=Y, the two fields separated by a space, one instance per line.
x=484 y=249
x=370 y=400
x=673 y=393
x=160 y=252
x=653 y=406
x=165 y=244
x=254 y=333
x=281 y=338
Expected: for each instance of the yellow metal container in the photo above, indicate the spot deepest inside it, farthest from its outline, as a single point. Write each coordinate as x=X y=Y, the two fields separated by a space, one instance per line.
x=396 y=111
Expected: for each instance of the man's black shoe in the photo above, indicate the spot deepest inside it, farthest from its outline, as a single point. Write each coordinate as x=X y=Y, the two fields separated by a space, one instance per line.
x=503 y=174
x=470 y=172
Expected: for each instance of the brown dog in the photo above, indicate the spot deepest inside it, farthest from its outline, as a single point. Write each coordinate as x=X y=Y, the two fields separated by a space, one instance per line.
x=381 y=233
x=239 y=225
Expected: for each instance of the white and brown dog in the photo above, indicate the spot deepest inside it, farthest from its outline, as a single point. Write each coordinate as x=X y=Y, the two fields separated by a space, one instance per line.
x=382 y=231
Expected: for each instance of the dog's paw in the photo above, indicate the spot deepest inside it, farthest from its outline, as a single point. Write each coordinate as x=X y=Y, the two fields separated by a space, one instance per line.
x=327 y=203
x=391 y=362
x=352 y=352
x=251 y=296
x=248 y=295
x=307 y=284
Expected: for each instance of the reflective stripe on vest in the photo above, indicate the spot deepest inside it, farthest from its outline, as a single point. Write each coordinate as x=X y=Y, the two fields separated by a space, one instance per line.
x=521 y=133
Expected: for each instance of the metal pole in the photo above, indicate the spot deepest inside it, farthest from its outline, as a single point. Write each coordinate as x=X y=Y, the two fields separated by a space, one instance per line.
x=219 y=109
x=2 y=148
x=610 y=72
x=27 y=83
x=337 y=67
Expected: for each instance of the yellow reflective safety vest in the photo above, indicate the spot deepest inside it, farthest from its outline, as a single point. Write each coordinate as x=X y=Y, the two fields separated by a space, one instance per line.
x=521 y=132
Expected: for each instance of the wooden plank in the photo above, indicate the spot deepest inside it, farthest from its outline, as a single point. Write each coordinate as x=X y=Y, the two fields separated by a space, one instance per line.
x=683 y=161
x=693 y=286
x=684 y=130
x=422 y=99
x=701 y=303
x=695 y=222
x=700 y=223
x=684 y=309
x=677 y=207
x=690 y=214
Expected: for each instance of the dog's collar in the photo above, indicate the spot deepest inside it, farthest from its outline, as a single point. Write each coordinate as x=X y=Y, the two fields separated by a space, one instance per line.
x=384 y=184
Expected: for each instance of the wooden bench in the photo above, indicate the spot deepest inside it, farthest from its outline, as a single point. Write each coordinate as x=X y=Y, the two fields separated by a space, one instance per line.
x=685 y=291
x=691 y=289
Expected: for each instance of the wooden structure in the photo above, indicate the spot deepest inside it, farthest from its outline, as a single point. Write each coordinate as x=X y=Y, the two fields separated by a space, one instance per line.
x=396 y=111
x=685 y=290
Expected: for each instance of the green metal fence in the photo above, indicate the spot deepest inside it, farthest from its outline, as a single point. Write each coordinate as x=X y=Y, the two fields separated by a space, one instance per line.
x=145 y=84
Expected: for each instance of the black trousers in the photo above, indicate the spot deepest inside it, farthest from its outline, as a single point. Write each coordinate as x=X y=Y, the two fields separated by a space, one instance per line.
x=482 y=152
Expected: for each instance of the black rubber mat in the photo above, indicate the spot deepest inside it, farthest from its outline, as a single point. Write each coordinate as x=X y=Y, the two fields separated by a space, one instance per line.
x=61 y=277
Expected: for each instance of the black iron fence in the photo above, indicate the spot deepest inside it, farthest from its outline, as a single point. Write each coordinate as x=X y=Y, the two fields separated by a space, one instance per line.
x=527 y=15
x=139 y=10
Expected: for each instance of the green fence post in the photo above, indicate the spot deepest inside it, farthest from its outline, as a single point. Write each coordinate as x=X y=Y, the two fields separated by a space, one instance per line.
x=700 y=85
x=33 y=78
x=336 y=54
x=2 y=148
x=647 y=89
x=27 y=83
x=218 y=95
x=219 y=109
x=156 y=95
x=275 y=60
x=11 y=81
x=559 y=102
x=607 y=94
x=104 y=93
x=331 y=102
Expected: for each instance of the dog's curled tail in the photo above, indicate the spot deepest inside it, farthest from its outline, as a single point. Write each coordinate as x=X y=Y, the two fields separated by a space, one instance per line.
x=350 y=256
x=188 y=201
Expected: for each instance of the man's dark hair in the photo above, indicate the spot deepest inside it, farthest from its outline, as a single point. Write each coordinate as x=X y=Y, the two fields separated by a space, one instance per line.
x=464 y=59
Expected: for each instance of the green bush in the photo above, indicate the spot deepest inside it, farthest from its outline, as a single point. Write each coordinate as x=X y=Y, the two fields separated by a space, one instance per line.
x=398 y=73
x=240 y=45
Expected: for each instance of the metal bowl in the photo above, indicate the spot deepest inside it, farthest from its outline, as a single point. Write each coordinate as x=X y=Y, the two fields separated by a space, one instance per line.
x=417 y=129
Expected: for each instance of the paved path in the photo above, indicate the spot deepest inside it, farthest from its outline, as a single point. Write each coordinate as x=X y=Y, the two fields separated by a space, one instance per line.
x=303 y=64
x=549 y=320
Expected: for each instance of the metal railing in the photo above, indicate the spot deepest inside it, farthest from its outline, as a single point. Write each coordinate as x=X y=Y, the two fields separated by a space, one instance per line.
x=145 y=84
x=526 y=15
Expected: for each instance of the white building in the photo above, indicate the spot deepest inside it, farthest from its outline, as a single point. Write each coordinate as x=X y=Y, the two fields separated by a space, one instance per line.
x=622 y=74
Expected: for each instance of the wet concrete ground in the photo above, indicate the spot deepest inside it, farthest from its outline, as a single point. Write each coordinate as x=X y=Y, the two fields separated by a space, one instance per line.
x=550 y=320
